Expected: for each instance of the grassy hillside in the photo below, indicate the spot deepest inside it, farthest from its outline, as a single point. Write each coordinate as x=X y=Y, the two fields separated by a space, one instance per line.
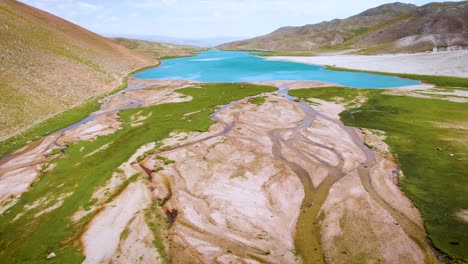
x=388 y=28
x=48 y=65
x=157 y=50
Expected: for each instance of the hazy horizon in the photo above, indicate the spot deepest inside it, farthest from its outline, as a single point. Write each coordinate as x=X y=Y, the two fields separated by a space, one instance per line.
x=201 y=19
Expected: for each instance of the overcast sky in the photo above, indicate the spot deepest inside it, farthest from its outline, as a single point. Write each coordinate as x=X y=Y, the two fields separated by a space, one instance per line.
x=201 y=18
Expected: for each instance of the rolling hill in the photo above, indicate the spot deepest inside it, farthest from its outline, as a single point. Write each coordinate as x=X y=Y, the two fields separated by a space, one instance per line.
x=395 y=27
x=156 y=50
x=48 y=65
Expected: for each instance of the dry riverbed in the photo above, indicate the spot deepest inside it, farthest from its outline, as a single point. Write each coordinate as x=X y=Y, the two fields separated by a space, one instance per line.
x=276 y=182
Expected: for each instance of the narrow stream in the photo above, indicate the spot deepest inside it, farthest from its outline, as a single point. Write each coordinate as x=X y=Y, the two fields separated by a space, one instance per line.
x=307 y=237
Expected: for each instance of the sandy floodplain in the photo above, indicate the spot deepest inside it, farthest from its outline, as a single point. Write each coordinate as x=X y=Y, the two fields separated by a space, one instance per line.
x=447 y=63
x=234 y=194
x=278 y=182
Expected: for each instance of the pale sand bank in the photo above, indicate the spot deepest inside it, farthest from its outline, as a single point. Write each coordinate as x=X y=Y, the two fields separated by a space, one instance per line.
x=453 y=63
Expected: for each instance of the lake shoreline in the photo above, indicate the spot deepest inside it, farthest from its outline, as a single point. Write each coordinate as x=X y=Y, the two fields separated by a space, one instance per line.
x=438 y=64
x=215 y=66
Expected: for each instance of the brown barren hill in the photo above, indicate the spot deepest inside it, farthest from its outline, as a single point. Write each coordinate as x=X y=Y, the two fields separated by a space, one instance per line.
x=443 y=26
x=389 y=28
x=157 y=50
x=48 y=65
x=327 y=33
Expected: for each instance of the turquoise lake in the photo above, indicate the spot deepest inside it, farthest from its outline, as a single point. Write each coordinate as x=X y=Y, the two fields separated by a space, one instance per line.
x=241 y=66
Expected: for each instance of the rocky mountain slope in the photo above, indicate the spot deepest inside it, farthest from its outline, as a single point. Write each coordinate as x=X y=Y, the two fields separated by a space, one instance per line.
x=393 y=27
x=156 y=50
x=437 y=25
x=48 y=65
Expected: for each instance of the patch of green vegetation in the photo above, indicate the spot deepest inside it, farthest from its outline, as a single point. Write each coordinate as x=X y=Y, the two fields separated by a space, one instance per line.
x=72 y=53
x=165 y=160
x=432 y=157
x=369 y=145
x=337 y=47
x=56 y=151
x=259 y=100
x=327 y=93
x=124 y=233
x=347 y=97
x=158 y=169
x=159 y=225
x=444 y=81
x=448 y=89
x=6 y=11
x=359 y=31
x=311 y=102
x=390 y=22
x=31 y=239
x=13 y=15
x=121 y=188
x=93 y=201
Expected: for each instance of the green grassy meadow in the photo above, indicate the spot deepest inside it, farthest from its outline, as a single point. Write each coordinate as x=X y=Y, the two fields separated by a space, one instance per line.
x=259 y=100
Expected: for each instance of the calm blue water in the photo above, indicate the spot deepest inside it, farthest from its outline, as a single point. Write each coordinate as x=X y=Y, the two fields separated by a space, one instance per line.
x=240 y=66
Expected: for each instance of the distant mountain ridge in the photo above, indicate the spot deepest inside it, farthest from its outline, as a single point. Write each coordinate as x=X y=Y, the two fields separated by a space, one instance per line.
x=48 y=65
x=201 y=42
x=395 y=27
x=157 y=50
